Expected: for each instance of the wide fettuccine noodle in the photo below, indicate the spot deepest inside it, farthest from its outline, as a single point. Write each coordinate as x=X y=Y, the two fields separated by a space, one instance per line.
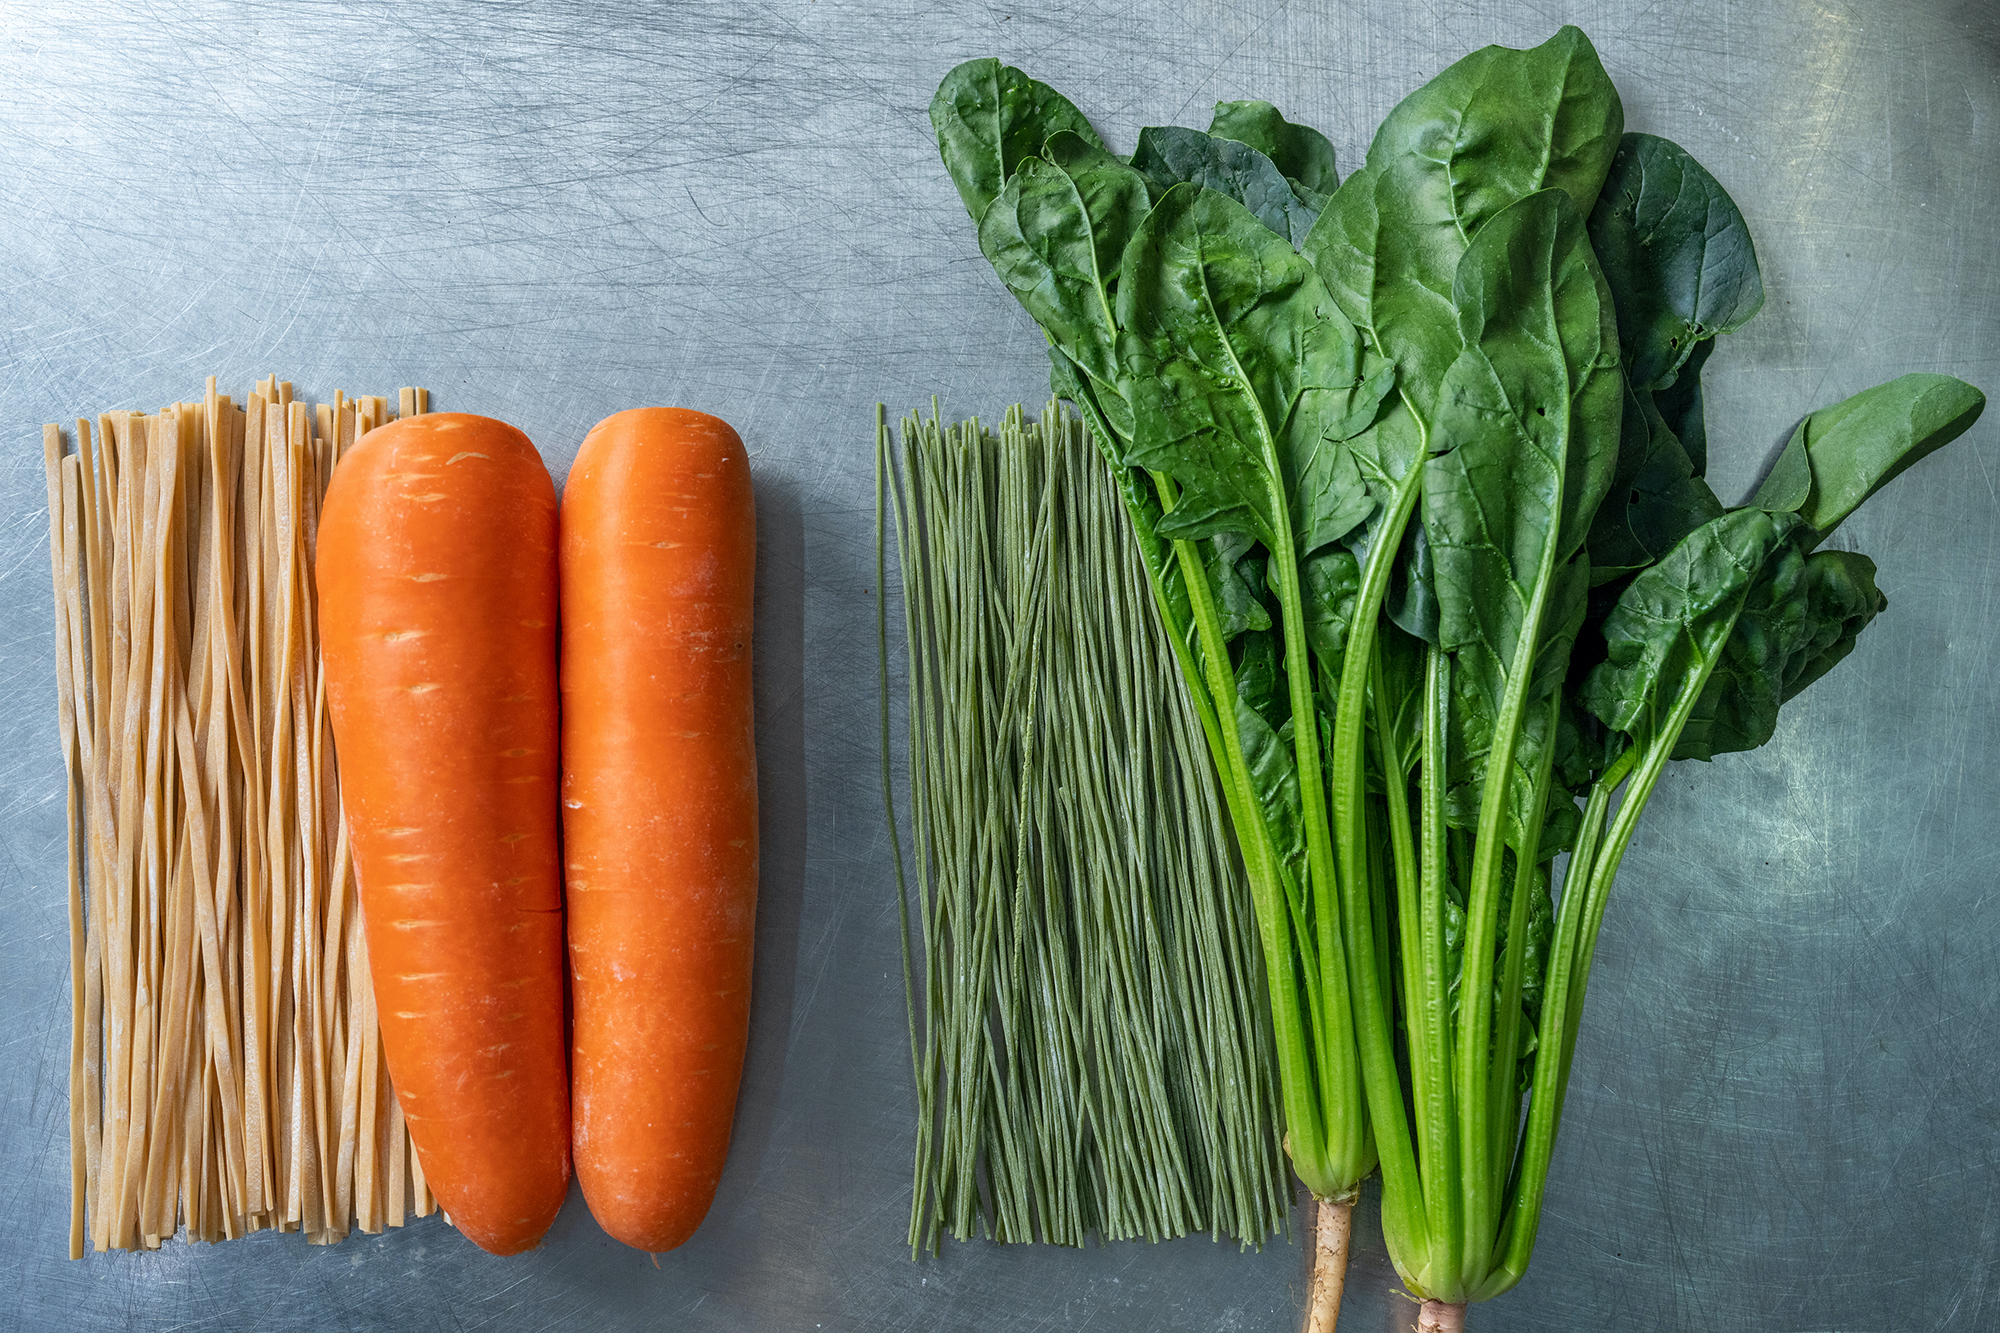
x=226 y=1071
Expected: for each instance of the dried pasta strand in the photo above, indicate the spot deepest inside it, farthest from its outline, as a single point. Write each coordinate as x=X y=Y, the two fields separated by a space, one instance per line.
x=63 y=542
x=226 y=1073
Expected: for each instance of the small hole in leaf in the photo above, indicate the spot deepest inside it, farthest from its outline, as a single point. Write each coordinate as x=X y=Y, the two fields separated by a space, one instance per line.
x=1541 y=411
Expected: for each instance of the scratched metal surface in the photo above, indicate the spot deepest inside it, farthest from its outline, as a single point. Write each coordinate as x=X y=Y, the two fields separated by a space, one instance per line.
x=1784 y=1113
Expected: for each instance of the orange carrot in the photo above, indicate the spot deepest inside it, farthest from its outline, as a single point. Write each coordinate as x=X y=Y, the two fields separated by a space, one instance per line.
x=659 y=810
x=437 y=603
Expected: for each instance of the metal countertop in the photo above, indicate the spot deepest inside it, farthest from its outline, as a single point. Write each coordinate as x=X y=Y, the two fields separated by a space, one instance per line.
x=1785 y=1113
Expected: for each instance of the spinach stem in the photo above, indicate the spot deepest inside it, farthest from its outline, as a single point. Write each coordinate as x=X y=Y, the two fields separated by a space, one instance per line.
x=1403 y=1215
x=1403 y=858
x=1587 y=881
x=1482 y=909
x=1505 y=1110
x=1339 y=1070
x=1305 y=1124
x=1431 y=1010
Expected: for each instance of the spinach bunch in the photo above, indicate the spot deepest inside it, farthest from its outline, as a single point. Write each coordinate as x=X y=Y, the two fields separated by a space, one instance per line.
x=1415 y=463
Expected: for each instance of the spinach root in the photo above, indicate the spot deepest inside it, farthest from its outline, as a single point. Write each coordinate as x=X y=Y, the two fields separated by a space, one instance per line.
x=1332 y=1231
x=1441 y=1317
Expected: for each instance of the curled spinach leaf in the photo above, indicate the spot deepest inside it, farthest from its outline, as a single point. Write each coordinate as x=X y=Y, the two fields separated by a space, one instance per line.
x=1170 y=155
x=1800 y=619
x=989 y=118
x=1055 y=233
x=1300 y=151
x=1236 y=569
x=1841 y=455
x=1676 y=254
x=1841 y=598
x=1676 y=617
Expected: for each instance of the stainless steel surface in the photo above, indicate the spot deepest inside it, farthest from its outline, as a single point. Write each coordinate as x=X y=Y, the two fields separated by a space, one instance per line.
x=1786 y=1110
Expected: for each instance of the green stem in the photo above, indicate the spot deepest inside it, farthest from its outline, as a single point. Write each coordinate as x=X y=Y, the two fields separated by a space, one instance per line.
x=1403 y=1216
x=1504 y=1109
x=1403 y=856
x=1430 y=1012
x=1335 y=1011
x=1340 y=1076
x=1586 y=889
x=1482 y=912
x=1306 y=1138
x=1545 y=1098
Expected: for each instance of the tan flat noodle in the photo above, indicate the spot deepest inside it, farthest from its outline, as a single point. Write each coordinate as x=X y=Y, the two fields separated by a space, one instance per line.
x=226 y=1070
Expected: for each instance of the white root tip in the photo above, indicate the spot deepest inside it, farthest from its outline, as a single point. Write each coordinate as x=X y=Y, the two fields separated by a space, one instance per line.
x=1438 y=1317
x=1331 y=1234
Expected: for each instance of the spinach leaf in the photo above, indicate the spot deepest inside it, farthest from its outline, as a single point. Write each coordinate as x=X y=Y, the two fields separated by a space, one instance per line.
x=1170 y=155
x=1260 y=682
x=1655 y=499
x=1679 y=406
x=1561 y=823
x=1300 y=151
x=1676 y=254
x=1236 y=569
x=1329 y=582
x=1800 y=619
x=1224 y=330
x=1411 y=603
x=1493 y=128
x=1390 y=447
x=1585 y=747
x=1841 y=455
x=1401 y=683
x=1274 y=778
x=1842 y=599
x=1526 y=433
x=989 y=117
x=1329 y=497
x=1535 y=961
x=1055 y=234
x=1110 y=421
x=1677 y=615
x=1471 y=732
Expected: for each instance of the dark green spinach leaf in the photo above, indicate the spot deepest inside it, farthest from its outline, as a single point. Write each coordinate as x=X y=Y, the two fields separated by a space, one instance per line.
x=1493 y=128
x=1526 y=433
x=1274 y=778
x=1300 y=151
x=989 y=118
x=1655 y=498
x=1679 y=405
x=1225 y=329
x=1170 y=155
x=1236 y=569
x=1328 y=584
x=1055 y=234
x=1676 y=254
x=1800 y=619
x=1676 y=616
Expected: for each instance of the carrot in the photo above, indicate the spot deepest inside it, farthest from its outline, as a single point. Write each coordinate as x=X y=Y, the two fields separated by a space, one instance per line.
x=659 y=811
x=437 y=587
